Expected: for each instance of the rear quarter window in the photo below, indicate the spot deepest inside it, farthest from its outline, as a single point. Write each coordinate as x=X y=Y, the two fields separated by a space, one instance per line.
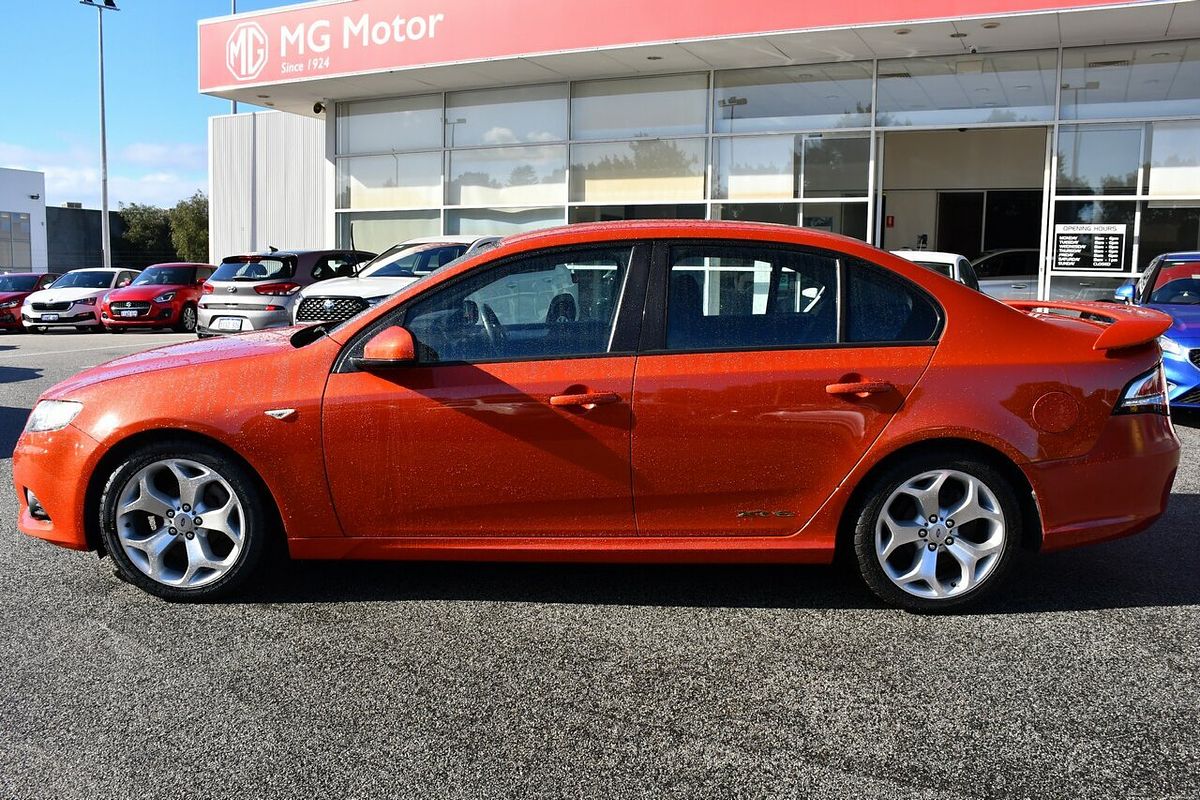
x=881 y=307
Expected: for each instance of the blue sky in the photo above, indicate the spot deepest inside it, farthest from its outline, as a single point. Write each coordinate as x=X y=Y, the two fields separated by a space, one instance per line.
x=157 y=121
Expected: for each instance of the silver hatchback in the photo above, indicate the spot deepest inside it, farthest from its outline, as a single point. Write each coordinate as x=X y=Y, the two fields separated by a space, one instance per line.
x=256 y=291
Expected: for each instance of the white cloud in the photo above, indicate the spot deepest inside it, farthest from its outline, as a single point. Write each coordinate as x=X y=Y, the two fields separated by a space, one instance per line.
x=158 y=174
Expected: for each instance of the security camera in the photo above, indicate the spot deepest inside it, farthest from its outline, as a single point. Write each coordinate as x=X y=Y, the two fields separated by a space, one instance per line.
x=974 y=50
x=318 y=107
x=35 y=197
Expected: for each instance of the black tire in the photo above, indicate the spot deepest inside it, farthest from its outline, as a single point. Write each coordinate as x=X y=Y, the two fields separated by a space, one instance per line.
x=257 y=528
x=35 y=329
x=187 y=320
x=889 y=481
x=114 y=329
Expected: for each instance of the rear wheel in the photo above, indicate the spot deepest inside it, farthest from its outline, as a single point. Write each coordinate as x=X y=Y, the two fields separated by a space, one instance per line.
x=35 y=329
x=184 y=521
x=937 y=533
x=187 y=320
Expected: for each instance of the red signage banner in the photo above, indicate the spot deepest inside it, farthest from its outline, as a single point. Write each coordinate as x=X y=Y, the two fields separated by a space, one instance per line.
x=362 y=36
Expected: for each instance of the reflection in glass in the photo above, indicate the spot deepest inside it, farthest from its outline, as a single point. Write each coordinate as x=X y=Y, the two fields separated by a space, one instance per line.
x=506 y=116
x=1100 y=212
x=653 y=170
x=789 y=166
x=1168 y=228
x=1174 y=158
x=391 y=181
x=836 y=167
x=507 y=175
x=1084 y=289
x=1099 y=159
x=1156 y=79
x=376 y=231
x=630 y=108
x=812 y=96
x=380 y=126
x=613 y=213
x=967 y=89
x=849 y=219
x=500 y=221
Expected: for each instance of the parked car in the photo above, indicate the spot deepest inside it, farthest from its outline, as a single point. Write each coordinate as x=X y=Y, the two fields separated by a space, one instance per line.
x=257 y=291
x=1009 y=274
x=340 y=299
x=72 y=300
x=161 y=296
x=1171 y=284
x=14 y=288
x=693 y=410
x=952 y=265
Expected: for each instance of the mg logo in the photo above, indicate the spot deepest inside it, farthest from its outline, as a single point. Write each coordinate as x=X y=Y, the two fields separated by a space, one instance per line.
x=246 y=51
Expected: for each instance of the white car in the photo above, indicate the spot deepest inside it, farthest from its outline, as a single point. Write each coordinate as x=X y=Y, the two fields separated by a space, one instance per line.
x=339 y=299
x=952 y=265
x=72 y=301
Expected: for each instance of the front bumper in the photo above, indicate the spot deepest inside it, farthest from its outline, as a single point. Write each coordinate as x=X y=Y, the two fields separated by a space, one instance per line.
x=55 y=466
x=158 y=315
x=1183 y=375
x=1119 y=488
x=74 y=316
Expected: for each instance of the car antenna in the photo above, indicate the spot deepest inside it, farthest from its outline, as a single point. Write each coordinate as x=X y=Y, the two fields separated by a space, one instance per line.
x=272 y=248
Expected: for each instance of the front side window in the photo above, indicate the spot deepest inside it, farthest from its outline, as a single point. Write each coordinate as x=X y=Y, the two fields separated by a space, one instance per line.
x=733 y=297
x=541 y=306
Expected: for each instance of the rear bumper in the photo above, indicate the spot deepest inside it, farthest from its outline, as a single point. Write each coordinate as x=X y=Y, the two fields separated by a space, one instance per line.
x=1120 y=488
x=55 y=466
x=209 y=319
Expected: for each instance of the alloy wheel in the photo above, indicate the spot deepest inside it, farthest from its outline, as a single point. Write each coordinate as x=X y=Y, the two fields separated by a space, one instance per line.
x=180 y=523
x=940 y=534
x=189 y=319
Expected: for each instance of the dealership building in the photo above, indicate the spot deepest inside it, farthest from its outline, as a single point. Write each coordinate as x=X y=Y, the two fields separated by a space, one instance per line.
x=1065 y=130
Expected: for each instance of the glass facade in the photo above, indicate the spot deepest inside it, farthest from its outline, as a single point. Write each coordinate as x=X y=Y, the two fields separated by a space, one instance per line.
x=799 y=145
x=16 y=249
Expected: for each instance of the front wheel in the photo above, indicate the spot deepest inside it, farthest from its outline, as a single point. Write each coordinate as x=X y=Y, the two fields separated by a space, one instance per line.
x=937 y=533
x=184 y=521
x=187 y=320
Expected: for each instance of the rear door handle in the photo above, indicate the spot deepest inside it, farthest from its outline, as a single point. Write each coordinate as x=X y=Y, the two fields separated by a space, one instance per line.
x=587 y=400
x=859 y=388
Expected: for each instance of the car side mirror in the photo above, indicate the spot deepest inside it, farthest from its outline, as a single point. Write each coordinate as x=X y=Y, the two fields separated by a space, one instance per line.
x=391 y=347
x=1124 y=293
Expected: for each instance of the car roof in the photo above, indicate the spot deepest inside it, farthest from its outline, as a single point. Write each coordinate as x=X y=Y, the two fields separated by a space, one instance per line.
x=101 y=269
x=676 y=229
x=290 y=253
x=936 y=256
x=1186 y=255
x=179 y=264
x=453 y=238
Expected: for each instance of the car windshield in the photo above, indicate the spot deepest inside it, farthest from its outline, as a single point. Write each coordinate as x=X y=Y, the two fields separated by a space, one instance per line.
x=941 y=269
x=254 y=269
x=17 y=283
x=1177 y=284
x=165 y=276
x=88 y=279
x=410 y=261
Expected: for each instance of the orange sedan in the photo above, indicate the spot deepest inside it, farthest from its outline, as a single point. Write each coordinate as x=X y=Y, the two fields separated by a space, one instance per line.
x=651 y=391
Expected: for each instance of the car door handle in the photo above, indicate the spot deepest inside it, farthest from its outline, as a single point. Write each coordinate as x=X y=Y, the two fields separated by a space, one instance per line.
x=859 y=388
x=588 y=400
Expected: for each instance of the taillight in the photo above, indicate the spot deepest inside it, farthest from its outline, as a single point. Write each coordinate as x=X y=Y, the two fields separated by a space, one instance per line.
x=278 y=289
x=1145 y=394
x=207 y=288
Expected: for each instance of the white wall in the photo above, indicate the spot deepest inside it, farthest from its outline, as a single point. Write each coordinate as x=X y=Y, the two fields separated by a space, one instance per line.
x=17 y=188
x=267 y=183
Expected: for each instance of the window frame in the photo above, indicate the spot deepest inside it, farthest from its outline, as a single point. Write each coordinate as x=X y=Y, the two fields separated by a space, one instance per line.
x=653 y=340
x=627 y=318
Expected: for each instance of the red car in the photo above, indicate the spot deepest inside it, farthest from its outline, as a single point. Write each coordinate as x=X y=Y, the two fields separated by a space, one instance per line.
x=14 y=288
x=717 y=392
x=162 y=296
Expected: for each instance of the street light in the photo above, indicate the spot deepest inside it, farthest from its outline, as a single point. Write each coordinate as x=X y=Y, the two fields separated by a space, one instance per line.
x=732 y=103
x=105 y=239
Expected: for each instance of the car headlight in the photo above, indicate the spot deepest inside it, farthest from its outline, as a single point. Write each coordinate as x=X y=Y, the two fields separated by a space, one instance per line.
x=1171 y=346
x=86 y=301
x=165 y=297
x=53 y=415
x=10 y=304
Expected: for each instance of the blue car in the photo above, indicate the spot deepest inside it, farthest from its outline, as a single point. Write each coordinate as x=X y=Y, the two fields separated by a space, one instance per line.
x=1171 y=284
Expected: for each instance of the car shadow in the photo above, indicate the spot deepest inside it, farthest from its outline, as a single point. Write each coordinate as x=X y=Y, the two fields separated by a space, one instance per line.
x=19 y=374
x=1160 y=567
x=1185 y=418
x=12 y=421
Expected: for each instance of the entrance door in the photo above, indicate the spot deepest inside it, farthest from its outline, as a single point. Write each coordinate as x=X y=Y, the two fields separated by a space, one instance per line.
x=744 y=420
x=960 y=223
x=514 y=422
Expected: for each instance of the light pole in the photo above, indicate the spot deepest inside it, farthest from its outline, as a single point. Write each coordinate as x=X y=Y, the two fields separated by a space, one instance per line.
x=732 y=104
x=233 y=10
x=105 y=237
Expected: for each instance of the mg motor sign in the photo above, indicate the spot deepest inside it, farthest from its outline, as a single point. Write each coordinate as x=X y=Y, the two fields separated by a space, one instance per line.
x=246 y=51
x=328 y=39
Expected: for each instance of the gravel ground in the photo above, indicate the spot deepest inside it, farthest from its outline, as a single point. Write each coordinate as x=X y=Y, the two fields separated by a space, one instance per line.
x=478 y=680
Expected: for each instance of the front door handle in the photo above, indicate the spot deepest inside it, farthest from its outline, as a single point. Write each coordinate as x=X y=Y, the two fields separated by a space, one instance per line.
x=859 y=388
x=587 y=400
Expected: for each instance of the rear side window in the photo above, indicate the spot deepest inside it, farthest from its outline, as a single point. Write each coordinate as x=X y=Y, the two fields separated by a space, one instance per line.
x=738 y=297
x=255 y=269
x=339 y=265
x=884 y=308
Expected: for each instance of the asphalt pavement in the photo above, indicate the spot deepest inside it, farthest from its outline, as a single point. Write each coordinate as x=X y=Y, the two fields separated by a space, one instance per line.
x=444 y=681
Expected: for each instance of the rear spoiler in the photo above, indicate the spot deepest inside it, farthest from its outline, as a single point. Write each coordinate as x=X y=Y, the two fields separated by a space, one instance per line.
x=1124 y=326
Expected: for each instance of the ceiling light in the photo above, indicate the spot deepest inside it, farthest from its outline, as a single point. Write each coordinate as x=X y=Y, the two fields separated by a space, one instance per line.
x=902 y=31
x=983 y=89
x=654 y=58
x=263 y=96
x=990 y=26
x=958 y=36
x=1023 y=87
x=1159 y=55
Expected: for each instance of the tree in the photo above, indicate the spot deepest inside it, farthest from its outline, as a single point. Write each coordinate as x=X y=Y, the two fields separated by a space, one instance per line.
x=189 y=227
x=147 y=236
